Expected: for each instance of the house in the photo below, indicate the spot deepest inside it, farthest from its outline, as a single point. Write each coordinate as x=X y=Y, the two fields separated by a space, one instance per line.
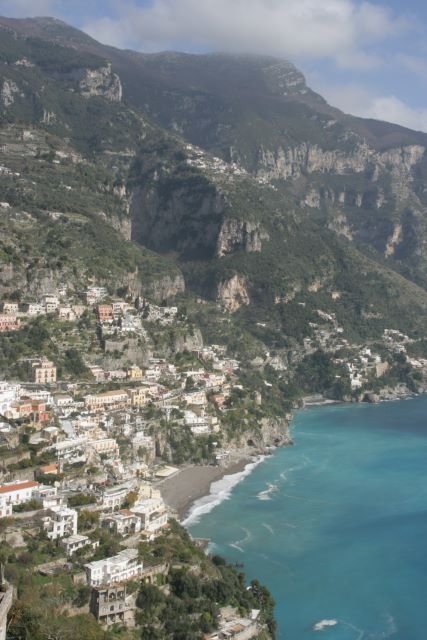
x=10 y=308
x=34 y=309
x=62 y=400
x=197 y=398
x=138 y=397
x=135 y=373
x=9 y=323
x=105 y=313
x=51 y=302
x=8 y=395
x=49 y=469
x=60 y=522
x=123 y=523
x=95 y=294
x=73 y=543
x=120 y=568
x=97 y=372
x=233 y=626
x=113 y=497
x=65 y=312
x=20 y=409
x=119 y=307
x=109 y=399
x=13 y=493
x=153 y=514
x=110 y=605
x=43 y=371
x=5 y=507
x=105 y=445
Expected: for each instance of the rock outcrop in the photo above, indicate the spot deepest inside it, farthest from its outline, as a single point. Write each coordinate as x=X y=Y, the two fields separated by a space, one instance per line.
x=240 y=235
x=292 y=162
x=8 y=91
x=233 y=293
x=101 y=82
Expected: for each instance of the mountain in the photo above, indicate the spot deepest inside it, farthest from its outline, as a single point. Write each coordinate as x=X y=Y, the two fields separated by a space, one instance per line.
x=227 y=172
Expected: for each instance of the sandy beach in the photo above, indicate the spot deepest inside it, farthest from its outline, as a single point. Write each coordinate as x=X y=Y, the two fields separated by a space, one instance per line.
x=191 y=483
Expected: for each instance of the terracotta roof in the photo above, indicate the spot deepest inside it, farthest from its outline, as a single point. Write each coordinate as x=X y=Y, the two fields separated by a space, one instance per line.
x=49 y=467
x=16 y=487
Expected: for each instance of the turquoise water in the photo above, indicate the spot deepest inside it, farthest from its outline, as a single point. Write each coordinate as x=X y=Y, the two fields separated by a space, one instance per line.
x=336 y=526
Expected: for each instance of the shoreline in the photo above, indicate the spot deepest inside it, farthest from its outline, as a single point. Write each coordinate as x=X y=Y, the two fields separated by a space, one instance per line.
x=196 y=489
x=204 y=486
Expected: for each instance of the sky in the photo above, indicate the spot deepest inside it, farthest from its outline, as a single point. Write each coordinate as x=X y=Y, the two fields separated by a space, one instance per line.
x=368 y=58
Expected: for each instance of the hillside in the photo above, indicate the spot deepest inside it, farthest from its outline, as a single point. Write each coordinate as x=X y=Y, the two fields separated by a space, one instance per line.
x=228 y=169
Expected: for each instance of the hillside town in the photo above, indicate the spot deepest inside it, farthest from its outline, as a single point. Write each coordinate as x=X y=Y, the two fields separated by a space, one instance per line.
x=84 y=461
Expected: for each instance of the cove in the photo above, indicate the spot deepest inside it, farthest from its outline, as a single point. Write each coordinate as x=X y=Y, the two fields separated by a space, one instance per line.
x=336 y=526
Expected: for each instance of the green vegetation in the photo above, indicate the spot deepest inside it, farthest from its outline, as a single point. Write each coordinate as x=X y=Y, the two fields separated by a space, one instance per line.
x=196 y=591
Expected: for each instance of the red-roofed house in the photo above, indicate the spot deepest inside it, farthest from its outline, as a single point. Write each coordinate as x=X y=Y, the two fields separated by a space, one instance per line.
x=17 y=492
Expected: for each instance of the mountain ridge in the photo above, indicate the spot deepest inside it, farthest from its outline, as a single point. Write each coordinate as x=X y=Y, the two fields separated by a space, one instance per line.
x=233 y=168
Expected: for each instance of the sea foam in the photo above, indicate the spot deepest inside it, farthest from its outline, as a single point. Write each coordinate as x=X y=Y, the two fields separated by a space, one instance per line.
x=219 y=491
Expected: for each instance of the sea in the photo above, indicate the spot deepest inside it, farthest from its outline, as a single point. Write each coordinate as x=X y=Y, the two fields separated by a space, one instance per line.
x=336 y=525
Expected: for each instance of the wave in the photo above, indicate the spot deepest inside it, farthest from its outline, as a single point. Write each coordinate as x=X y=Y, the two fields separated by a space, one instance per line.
x=219 y=491
x=269 y=528
x=319 y=626
x=237 y=544
x=266 y=494
x=391 y=629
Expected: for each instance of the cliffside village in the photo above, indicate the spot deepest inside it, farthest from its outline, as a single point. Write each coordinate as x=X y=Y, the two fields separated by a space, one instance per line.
x=97 y=453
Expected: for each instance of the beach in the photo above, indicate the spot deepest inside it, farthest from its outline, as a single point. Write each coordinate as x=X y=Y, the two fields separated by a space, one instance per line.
x=191 y=483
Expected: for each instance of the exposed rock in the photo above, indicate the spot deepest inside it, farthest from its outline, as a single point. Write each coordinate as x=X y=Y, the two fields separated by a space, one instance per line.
x=312 y=199
x=233 y=293
x=49 y=117
x=186 y=219
x=272 y=432
x=123 y=351
x=101 y=82
x=292 y=162
x=165 y=287
x=341 y=226
x=7 y=93
x=240 y=235
x=393 y=241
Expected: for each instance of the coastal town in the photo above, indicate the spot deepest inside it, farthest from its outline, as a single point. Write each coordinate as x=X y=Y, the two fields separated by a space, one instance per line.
x=86 y=466
x=91 y=467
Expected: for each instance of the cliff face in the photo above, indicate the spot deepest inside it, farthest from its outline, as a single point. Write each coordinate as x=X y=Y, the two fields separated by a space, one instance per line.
x=293 y=161
x=101 y=82
x=233 y=293
x=184 y=219
x=271 y=432
x=240 y=235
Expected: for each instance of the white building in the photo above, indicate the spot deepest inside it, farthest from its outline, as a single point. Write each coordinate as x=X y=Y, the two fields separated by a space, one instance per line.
x=10 y=308
x=76 y=542
x=153 y=514
x=8 y=395
x=95 y=294
x=105 y=445
x=60 y=522
x=35 y=309
x=123 y=522
x=113 y=498
x=51 y=302
x=5 y=507
x=120 y=568
x=17 y=492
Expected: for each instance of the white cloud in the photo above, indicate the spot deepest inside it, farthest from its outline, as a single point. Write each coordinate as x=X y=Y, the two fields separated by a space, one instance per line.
x=360 y=101
x=28 y=8
x=339 y=29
